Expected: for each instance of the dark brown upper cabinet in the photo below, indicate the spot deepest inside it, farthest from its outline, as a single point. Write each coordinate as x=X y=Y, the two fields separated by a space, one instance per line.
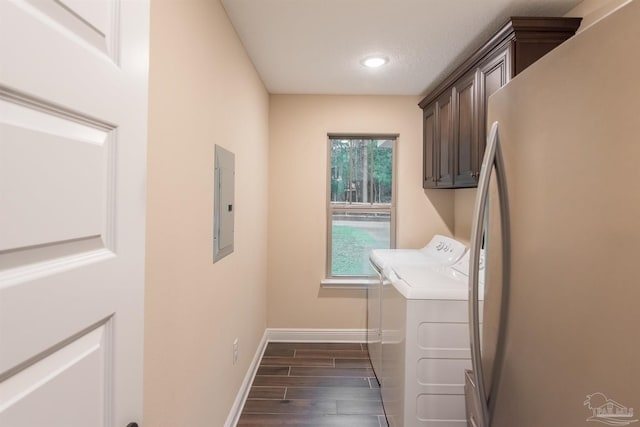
x=444 y=139
x=455 y=111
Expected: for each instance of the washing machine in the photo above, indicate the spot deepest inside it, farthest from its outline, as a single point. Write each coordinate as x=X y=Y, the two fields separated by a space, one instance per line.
x=441 y=250
x=425 y=343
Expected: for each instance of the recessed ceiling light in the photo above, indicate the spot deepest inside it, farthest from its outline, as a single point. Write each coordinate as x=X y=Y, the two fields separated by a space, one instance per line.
x=374 y=61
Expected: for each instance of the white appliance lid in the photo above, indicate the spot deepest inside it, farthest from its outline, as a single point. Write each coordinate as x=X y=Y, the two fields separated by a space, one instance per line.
x=423 y=282
x=382 y=258
x=440 y=250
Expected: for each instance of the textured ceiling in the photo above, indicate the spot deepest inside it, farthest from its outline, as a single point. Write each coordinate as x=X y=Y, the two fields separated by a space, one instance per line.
x=315 y=46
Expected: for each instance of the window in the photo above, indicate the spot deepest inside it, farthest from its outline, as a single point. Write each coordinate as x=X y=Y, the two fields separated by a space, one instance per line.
x=361 y=202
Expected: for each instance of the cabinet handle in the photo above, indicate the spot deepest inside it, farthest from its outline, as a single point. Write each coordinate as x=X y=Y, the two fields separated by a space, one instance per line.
x=492 y=157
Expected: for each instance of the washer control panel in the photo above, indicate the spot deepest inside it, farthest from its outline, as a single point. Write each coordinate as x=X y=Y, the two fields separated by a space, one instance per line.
x=446 y=249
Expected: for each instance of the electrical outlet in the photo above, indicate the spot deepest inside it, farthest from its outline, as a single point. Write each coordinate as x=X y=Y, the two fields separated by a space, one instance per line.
x=235 y=351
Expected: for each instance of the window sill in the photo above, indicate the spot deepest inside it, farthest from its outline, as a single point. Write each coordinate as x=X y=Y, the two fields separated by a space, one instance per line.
x=359 y=283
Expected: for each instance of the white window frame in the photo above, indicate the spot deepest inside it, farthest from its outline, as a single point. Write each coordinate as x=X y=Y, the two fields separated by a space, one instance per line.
x=358 y=282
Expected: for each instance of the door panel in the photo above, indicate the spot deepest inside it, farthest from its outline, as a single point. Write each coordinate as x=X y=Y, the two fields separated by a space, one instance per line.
x=445 y=140
x=429 y=146
x=494 y=73
x=466 y=167
x=36 y=150
x=73 y=100
x=91 y=22
x=79 y=367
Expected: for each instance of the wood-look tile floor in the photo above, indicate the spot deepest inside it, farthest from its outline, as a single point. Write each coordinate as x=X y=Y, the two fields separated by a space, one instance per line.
x=314 y=385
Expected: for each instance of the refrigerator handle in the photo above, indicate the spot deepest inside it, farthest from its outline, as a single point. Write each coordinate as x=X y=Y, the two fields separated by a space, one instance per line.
x=476 y=242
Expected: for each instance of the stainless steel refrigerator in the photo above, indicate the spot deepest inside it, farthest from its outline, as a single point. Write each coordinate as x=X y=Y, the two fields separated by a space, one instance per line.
x=558 y=209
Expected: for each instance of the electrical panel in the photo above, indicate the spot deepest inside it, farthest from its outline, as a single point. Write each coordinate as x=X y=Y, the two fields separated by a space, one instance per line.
x=223 y=224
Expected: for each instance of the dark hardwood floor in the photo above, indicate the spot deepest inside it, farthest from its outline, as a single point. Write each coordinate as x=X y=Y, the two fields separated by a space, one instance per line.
x=314 y=385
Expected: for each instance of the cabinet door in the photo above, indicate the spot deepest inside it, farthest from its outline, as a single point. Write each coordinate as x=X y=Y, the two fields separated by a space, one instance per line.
x=493 y=73
x=429 y=121
x=444 y=140
x=465 y=155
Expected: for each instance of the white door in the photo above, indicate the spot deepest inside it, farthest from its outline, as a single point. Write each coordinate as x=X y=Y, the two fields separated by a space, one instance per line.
x=73 y=118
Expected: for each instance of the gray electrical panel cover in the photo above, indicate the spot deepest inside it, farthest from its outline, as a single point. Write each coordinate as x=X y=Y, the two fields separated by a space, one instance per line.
x=223 y=207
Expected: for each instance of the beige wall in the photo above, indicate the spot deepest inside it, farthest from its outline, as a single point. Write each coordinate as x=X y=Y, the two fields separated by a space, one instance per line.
x=463 y=200
x=298 y=127
x=591 y=11
x=203 y=91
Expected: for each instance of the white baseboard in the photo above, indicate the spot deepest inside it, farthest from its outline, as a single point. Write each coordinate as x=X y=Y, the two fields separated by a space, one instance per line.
x=316 y=335
x=287 y=335
x=238 y=404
